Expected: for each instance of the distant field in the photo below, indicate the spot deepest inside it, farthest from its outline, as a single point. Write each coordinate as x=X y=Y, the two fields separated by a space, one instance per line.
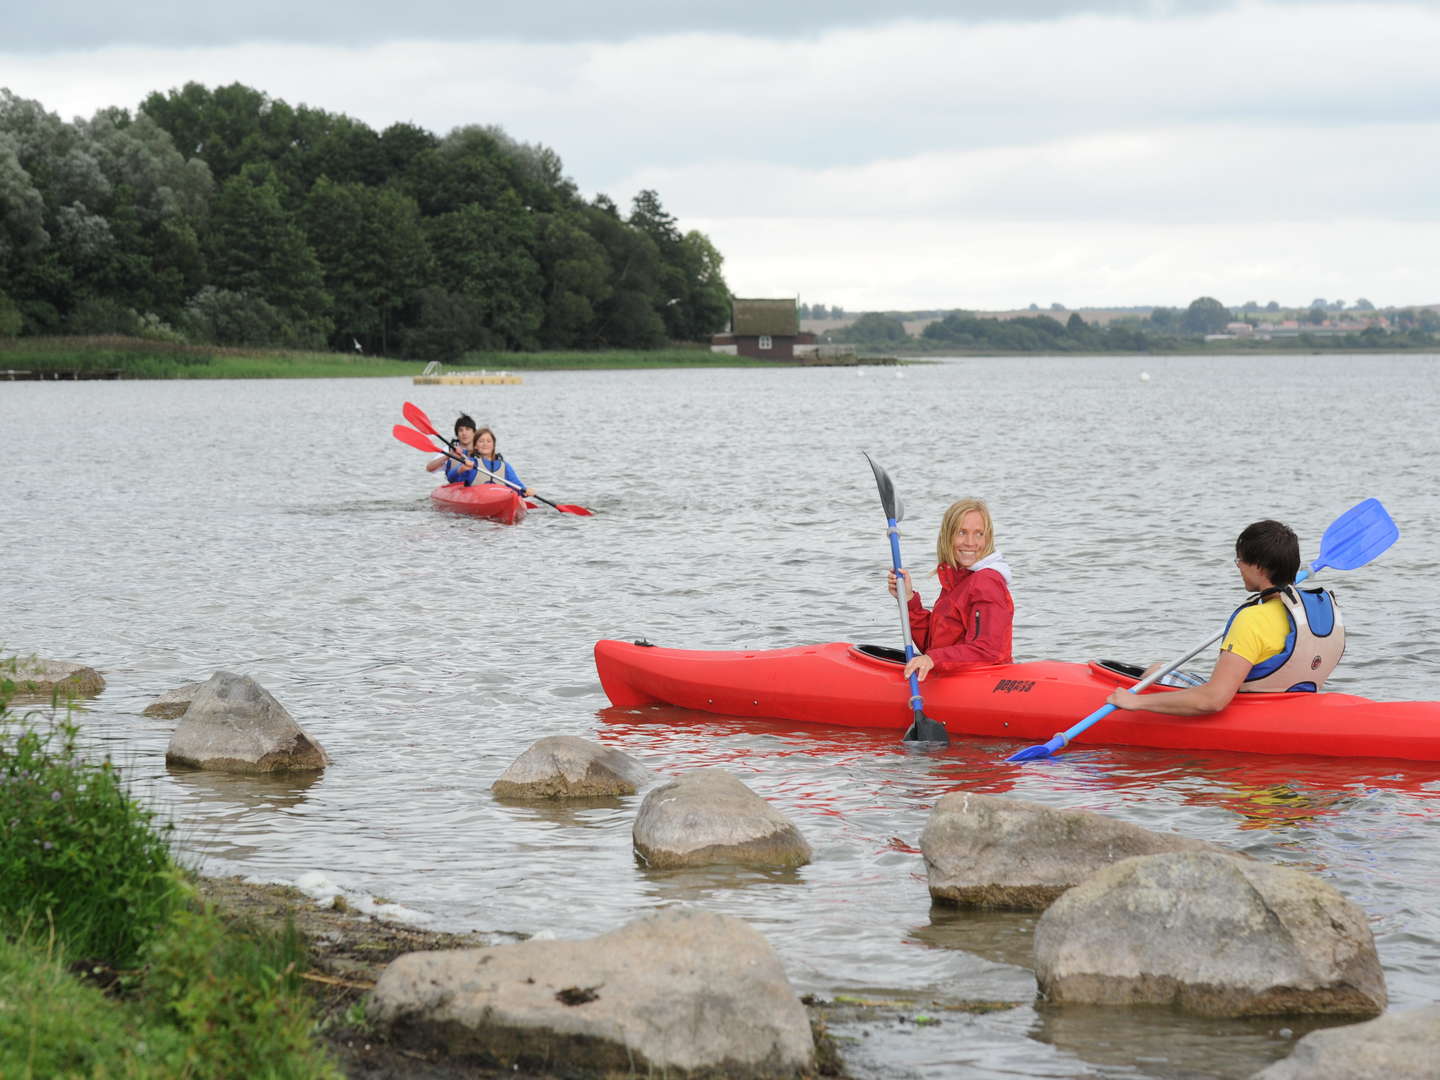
x=913 y=327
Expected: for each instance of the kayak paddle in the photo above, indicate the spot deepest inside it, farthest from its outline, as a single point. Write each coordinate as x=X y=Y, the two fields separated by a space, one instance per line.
x=1352 y=540
x=922 y=728
x=421 y=421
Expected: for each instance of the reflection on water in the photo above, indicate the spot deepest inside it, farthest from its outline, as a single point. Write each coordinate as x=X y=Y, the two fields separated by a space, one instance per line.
x=1004 y=937
x=733 y=509
x=1160 y=1040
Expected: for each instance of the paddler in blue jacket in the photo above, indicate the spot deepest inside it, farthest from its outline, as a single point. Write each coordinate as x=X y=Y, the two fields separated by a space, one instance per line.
x=1282 y=639
x=494 y=464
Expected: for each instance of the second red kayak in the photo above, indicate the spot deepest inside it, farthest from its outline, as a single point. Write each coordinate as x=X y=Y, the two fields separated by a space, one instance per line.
x=483 y=500
x=839 y=684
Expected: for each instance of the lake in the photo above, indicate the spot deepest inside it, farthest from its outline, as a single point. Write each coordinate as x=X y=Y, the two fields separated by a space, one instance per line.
x=162 y=531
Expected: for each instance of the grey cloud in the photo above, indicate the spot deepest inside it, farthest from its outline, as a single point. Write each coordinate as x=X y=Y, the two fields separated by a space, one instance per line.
x=90 y=24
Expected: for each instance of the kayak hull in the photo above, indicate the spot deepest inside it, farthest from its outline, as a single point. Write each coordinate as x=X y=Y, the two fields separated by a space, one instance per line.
x=836 y=684
x=495 y=501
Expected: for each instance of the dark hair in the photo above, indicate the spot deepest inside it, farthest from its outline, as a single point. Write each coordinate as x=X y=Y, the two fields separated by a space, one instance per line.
x=464 y=421
x=1272 y=547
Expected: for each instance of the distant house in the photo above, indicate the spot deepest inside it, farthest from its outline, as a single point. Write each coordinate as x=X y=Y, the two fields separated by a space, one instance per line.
x=764 y=329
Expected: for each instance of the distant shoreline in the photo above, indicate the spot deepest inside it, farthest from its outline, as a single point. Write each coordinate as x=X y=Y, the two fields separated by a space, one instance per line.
x=65 y=359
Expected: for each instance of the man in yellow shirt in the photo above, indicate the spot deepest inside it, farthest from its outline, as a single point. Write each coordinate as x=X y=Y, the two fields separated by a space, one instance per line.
x=1283 y=639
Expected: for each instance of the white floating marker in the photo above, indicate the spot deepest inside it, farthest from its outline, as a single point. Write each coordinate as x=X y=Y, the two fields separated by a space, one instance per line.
x=1144 y=376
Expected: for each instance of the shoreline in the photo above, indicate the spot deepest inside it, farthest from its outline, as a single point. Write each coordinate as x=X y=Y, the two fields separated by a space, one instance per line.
x=135 y=359
x=348 y=950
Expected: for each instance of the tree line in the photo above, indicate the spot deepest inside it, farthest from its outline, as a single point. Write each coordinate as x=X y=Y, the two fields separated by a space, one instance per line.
x=229 y=217
x=1163 y=329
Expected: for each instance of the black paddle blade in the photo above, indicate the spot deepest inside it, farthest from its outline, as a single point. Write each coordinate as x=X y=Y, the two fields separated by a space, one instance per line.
x=894 y=509
x=924 y=730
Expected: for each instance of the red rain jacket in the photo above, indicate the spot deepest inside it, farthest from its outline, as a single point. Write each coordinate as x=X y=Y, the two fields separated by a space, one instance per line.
x=971 y=622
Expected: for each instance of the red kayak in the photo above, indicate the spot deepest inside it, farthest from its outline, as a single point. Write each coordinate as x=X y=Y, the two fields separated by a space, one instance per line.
x=861 y=686
x=483 y=500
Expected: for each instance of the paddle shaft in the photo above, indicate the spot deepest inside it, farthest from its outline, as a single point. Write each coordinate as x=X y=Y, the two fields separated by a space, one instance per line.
x=893 y=531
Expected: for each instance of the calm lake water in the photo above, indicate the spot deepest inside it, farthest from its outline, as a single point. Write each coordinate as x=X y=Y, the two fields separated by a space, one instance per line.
x=162 y=531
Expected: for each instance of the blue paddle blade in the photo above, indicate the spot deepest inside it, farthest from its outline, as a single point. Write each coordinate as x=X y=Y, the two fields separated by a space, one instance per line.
x=1041 y=750
x=1356 y=537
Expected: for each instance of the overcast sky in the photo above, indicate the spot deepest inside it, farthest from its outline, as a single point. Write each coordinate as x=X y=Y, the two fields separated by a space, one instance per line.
x=908 y=155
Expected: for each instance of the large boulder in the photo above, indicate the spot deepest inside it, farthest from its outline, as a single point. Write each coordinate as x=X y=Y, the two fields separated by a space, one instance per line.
x=234 y=725
x=567 y=767
x=674 y=993
x=706 y=817
x=1397 y=1046
x=172 y=703
x=1210 y=934
x=987 y=852
x=38 y=680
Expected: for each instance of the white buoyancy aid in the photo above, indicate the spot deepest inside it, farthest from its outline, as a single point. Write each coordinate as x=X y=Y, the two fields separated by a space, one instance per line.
x=1312 y=648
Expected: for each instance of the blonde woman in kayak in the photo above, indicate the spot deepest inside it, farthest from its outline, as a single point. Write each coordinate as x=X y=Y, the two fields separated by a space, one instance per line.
x=972 y=619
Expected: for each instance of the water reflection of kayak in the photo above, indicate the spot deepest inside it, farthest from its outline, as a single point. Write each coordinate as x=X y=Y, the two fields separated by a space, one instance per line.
x=483 y=500
x=861 y=686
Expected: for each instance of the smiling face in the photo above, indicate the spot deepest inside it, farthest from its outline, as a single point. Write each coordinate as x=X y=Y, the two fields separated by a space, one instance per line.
x=485 y=443
x=465 y=435
x=967 y=534
x=970 y=539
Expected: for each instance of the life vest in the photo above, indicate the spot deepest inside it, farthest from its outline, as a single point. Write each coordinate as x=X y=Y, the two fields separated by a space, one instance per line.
x=1312 y=648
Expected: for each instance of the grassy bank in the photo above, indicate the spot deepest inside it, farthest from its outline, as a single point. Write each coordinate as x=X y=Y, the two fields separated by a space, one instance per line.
x=137 y=358
x=110 y=964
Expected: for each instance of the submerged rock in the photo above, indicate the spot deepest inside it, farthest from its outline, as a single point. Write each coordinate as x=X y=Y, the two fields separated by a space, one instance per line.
x=988 y=852
x=676 y=993
x=708 y=816
x=1209 y=934
x=234 y=725
x=568 y=767
x=1397 y=1046
x=37 y=680
x=172 y=703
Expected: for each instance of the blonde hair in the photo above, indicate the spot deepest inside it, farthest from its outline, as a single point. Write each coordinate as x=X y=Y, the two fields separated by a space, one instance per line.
x=945 y=542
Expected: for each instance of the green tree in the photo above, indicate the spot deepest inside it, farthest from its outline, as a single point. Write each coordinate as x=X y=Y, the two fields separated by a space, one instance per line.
x=703 y=304
x=628 y=317
x=873 y=328
x=1316 y=316
x=1205 y=315
x=577 y=280
x=488 y=256
x=255 y=247
x=373 y=255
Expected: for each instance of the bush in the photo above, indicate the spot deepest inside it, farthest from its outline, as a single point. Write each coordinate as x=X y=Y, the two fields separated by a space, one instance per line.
x=89 y=885
x=236 y=998
x=78 y=856
x=98 y=315
x=225 y=317
x=10 y=318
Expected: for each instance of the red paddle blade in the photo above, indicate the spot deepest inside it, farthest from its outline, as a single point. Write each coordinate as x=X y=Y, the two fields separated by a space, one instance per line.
x=419 y=419
x=411 y=437
x=568 y=508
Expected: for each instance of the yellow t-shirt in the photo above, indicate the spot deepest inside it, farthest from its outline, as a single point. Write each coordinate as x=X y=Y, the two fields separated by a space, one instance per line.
x=1258 y=632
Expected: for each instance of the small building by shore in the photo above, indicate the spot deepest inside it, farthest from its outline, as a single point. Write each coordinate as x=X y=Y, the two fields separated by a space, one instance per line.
x=763 y=329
